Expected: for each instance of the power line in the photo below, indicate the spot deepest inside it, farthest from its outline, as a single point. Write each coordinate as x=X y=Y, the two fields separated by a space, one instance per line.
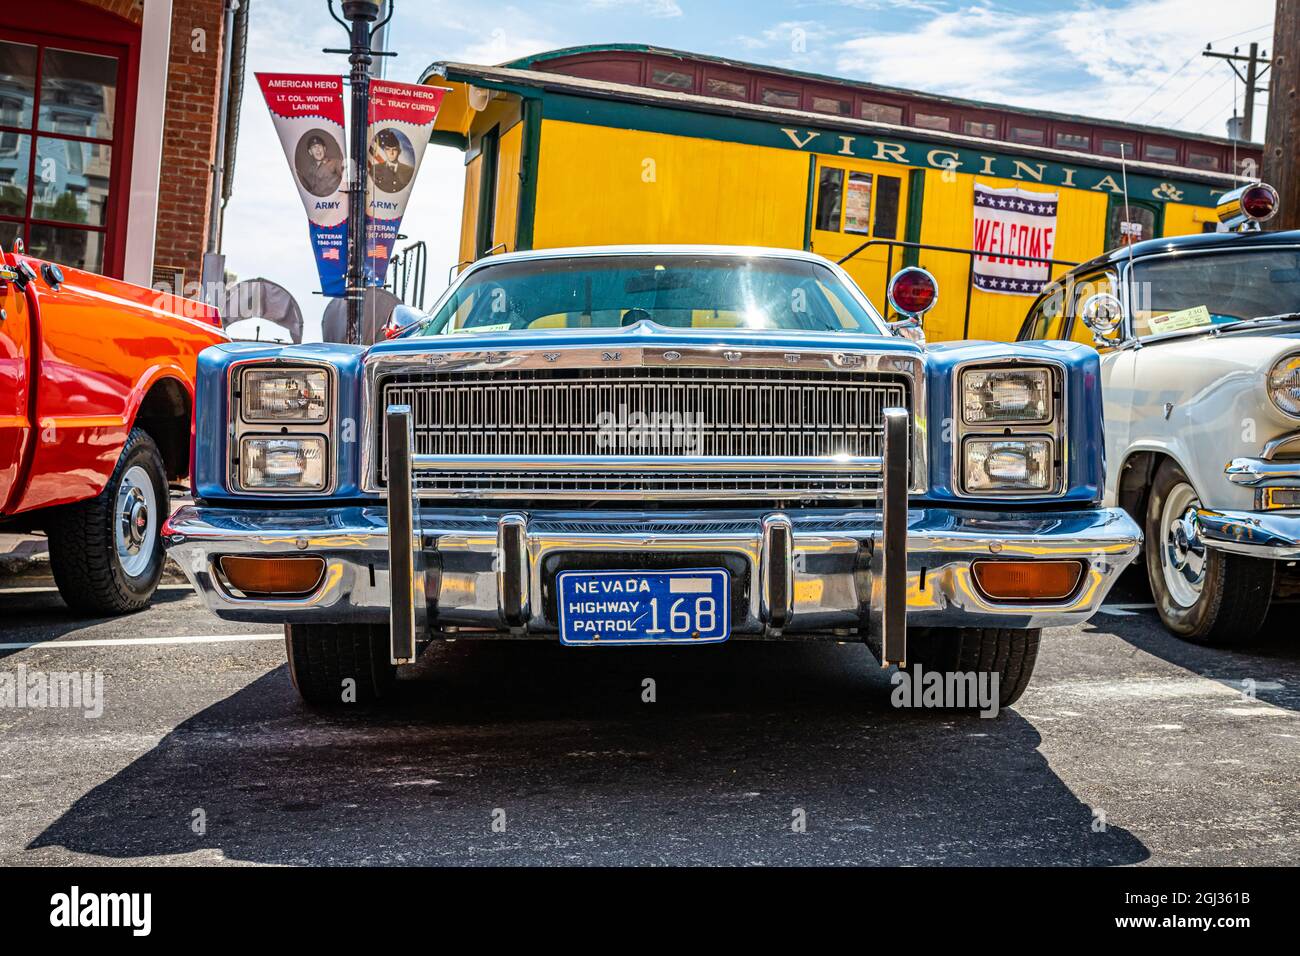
x=1187 y=89
x=1262 y=26
x=1203 y=101
x=1186 y=63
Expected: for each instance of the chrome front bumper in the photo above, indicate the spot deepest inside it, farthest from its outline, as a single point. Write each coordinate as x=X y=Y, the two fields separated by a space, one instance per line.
x=808 y=572
x=1262 y=534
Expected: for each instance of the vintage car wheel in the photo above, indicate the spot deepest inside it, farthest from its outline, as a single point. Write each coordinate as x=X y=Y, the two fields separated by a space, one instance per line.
x=1007 y=652
x=1203 y=595
x=323 y=657
x=106 y=552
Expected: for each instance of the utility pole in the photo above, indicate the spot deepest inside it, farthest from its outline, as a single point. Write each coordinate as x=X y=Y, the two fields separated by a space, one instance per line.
x=1282 y=140
x=359 y=14
x=1250 y=79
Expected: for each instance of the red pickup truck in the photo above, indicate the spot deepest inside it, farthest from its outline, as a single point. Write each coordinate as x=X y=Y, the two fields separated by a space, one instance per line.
x=96 y=404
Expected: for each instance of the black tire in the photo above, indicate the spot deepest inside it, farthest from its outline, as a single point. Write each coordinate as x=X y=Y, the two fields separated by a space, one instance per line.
x=1008 y=652
x=1235 y=590
x=83 y=540
x=323 y=656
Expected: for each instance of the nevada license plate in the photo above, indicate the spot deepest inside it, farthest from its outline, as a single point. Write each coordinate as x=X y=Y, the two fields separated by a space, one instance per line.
x=645 y=607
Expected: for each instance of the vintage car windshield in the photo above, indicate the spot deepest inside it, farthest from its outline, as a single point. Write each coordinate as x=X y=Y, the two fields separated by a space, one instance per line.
x=1186 y=293
x=678 y=291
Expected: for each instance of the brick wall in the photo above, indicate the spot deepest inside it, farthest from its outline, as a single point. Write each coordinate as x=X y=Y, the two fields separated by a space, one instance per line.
x=189 y=139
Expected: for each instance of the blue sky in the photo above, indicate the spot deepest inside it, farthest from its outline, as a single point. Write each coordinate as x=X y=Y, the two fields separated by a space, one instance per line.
x=1138 y=61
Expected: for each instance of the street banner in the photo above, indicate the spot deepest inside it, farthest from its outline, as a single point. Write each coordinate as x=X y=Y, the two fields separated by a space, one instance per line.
x=308 y=114
x=400 y=120
x=1011 y=224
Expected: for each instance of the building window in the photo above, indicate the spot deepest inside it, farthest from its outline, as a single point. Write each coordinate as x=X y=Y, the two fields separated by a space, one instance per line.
x=784 y=98
x=857 y=204
x=1080 y=142
x=1118 y=147
x=726 y=89
x=977 y=128
x=931 y=121
x=829 y=104
x=1199 y=160
x=56 y=152
x=1159 y=154
x=1027 y=135
x=673 y=79
x=882 y=113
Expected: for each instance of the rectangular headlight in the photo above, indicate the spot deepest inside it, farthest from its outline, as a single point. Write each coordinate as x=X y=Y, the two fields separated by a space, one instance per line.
x=1010 y=395
x=1008 y=464
x=283 y=463
x=269 y=395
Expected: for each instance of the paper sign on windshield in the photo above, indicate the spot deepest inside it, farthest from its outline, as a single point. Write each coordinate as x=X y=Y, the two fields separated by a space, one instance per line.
x=1182 y=319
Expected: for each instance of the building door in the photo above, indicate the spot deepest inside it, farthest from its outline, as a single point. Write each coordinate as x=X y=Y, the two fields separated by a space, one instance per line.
x=62 y=136
x=854 y=202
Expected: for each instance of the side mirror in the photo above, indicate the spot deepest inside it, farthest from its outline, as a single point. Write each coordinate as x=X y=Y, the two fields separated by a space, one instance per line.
x=1102 y=313
x=400 y=319
x=911 y=293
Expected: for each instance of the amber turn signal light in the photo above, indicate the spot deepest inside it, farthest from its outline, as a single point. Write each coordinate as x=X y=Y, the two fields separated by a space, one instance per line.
x=276 y=577
x=1027 y=580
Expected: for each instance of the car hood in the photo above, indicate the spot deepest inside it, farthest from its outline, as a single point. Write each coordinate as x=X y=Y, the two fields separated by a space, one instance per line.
x=645 y=335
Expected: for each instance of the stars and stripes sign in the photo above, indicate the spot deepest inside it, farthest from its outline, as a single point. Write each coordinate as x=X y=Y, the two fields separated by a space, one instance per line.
x=1011 y=224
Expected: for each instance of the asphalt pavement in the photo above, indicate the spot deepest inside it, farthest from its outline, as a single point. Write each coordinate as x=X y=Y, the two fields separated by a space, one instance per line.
x=1130 y=747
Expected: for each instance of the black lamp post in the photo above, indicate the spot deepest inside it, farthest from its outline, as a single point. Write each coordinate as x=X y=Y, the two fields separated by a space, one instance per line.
x=358 y=15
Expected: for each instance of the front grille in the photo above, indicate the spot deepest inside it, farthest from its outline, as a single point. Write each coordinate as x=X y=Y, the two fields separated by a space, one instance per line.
x=646 y=412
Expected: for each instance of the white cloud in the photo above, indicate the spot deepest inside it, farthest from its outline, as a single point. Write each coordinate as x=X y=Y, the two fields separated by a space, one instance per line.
x=1092 y=58
x=664 y=9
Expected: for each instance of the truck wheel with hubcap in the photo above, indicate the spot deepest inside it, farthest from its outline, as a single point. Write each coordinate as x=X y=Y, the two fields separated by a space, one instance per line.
x=1009 y=653
x=106 y=552
x=1203 y=595
x=324 y=657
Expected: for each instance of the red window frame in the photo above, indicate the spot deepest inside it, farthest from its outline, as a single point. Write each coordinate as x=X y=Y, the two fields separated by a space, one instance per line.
x=103 y=34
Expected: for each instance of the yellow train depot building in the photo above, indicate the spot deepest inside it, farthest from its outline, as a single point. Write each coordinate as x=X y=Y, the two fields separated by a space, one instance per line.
x=632 y=144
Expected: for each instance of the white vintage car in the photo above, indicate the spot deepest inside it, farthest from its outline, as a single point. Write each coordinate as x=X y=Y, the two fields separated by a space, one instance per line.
x=1200 y=367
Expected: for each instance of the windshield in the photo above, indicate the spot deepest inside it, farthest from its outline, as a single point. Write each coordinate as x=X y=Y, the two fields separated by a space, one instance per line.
x=679 y=291
x=1179 y=293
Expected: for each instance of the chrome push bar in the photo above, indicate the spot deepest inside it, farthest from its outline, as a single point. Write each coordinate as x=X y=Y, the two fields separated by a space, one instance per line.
x=886 y=614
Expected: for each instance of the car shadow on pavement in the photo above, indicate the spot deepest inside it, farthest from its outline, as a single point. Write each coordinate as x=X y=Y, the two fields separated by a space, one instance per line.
x=1267 y=668
x=530 y=753
x=44 y=616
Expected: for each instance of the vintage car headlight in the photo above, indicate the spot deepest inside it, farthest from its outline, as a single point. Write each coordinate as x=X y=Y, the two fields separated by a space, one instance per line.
x=1008 y=464
x=282 y=462
x=269 y=395
x=994 y=395
x=1284 y=385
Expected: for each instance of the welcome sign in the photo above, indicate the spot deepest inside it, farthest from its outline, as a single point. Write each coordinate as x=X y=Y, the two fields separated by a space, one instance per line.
x=1013 y=226
x=308 y=114
x=401 y=117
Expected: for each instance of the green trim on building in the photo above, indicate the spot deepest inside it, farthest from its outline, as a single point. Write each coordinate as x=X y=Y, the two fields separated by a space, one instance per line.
x=915 y=207
x=447 y=137
x=529 y=164
x=905 y=152
x=808 y=212
x=487 y=194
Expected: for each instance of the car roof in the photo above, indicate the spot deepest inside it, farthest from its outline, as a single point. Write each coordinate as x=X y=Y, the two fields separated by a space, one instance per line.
x=1197 y=241
x=650 y=249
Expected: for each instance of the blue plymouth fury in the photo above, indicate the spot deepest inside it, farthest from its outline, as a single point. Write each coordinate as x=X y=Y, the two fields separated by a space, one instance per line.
x=652 y=445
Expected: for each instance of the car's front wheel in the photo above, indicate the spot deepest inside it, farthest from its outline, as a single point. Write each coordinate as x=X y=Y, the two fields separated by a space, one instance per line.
x=106 y=553
x=1203 y=595
x=332 y=665
x=1007 y=653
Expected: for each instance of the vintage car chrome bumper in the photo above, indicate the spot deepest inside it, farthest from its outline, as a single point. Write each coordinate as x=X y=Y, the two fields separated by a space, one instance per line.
x=1262 y=534
x=495 y=570
x=849 y=574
